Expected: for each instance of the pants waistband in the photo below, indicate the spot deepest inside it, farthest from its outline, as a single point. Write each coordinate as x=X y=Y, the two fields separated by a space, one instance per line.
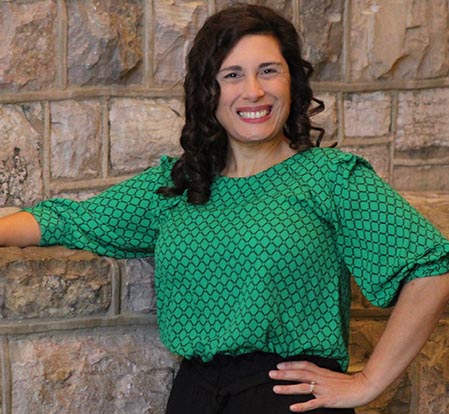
x=227 y=375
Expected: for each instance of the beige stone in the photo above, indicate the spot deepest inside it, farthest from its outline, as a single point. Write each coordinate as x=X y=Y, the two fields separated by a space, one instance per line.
x=423 y=120
x=21 y=128
x=412 y=30
x=75 y=139
x=105 y=42
x=176 y=25
x=27 y=46
x=53 y=282
x=321 y=27
x=112 y=371
x=421 y=177
x=282 y=6
x=138 y=291
x=367 y=115
x=142 y=131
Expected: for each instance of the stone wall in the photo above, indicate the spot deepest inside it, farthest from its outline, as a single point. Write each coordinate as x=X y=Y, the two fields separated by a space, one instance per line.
x=90 y=94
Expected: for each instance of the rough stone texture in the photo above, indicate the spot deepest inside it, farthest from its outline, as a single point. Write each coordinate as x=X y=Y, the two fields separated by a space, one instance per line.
x=377 y=155
x=101 y=371
x=105 y=42
x=27 y=46
x=321 y=26
x=282 y=6
x=414 y=32
x=176 y=24
x=21 y=129
x=423 y=124
x=367 y=115
x=53 y=282
x=421 y=177
x=75 y=139
x=138 y=291
x=142 y=131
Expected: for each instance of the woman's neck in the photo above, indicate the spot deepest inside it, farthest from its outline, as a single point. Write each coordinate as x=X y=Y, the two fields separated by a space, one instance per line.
x=247 y=160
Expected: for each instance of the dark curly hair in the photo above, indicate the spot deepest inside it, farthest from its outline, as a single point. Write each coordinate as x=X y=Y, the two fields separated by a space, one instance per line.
x=203 y=139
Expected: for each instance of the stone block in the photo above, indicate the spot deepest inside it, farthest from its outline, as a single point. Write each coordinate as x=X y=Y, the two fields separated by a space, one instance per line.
x=412 y=29
x=21 y=130
x=367 y=114
x=116 y=371
x=105 y=43
x=53 y=283
x=177 y=22
x=138 y=291
x=321 y=27
x=27 y=47
x=423 y=123
x=142 y=130
x=75 y=139
x=421 y=178
x=281 y=6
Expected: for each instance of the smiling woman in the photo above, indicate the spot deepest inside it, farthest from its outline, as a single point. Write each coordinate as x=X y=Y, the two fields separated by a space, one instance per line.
x=256 y=232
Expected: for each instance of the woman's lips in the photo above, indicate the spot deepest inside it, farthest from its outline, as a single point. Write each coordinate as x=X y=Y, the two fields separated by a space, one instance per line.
x=259 y=113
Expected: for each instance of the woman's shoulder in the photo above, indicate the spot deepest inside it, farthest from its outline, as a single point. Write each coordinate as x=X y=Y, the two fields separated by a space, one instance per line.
x=324 y=161
x=159 y=174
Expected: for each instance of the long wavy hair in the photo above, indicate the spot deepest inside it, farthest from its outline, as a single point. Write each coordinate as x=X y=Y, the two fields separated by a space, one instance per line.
x=203 y=139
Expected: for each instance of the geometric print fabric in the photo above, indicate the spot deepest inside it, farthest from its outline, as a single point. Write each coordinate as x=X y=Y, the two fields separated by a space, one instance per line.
x=265 y=264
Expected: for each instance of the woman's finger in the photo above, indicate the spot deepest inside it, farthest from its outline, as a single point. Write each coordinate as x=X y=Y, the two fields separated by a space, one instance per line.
x=300 y=389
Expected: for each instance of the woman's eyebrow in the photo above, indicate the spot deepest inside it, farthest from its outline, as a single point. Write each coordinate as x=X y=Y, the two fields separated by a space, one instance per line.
x=265 y=64
x=234 y=67
x=238 y=67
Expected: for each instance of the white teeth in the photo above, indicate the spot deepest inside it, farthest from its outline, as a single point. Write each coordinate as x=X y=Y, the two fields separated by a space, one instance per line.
x=254 y=115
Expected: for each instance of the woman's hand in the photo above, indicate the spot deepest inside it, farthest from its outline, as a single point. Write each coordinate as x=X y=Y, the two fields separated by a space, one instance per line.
x=331 y=389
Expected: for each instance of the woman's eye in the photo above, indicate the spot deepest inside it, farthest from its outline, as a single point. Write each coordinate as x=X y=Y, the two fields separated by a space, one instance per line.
x=231 y=75
x=269 y=72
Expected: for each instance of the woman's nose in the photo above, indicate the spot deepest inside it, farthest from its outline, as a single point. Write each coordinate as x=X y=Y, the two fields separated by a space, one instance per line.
x=253 y=89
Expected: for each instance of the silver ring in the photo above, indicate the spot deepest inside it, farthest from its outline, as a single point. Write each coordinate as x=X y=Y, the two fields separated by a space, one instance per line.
x=312 y=387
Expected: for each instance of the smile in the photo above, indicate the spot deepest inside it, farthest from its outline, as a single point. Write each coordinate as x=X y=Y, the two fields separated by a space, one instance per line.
x=254 y=115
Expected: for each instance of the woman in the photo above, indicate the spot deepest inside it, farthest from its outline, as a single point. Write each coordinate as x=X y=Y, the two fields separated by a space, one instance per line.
x=255 y=232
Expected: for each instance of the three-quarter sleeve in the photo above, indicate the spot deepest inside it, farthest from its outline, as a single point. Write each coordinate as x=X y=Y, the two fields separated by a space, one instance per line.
x=384 y=241
x=123 y=221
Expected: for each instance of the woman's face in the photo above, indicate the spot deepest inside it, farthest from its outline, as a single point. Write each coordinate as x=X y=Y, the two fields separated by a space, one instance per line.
x=255 y=96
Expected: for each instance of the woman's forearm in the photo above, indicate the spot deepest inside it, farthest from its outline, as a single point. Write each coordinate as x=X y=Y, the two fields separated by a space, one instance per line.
x=414 y=317
x=19 y=229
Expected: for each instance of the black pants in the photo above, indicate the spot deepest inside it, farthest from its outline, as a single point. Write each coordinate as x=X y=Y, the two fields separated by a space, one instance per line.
x=237 y=385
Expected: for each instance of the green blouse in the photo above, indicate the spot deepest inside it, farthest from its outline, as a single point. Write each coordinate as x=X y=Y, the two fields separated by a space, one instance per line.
x=265 y=264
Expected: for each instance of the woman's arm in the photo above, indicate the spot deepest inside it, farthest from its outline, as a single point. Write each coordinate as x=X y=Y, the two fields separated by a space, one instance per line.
x=415 y=315
x=19 y=229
